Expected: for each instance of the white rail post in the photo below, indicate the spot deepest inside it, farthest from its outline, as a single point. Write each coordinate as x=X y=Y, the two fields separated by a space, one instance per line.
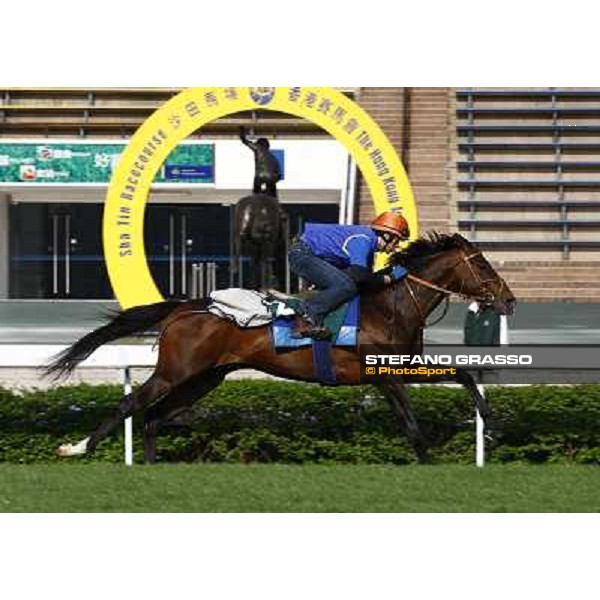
x=480 y=426
x=504 y=341
x=129 y=421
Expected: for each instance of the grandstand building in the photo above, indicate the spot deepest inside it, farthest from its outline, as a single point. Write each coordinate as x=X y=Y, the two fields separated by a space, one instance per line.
x=515 y=170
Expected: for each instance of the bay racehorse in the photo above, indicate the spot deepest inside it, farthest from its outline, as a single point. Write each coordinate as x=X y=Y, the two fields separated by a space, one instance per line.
x=197 y=350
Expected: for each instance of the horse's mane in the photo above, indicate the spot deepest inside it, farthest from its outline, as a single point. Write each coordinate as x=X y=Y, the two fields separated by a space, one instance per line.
x=425 y=247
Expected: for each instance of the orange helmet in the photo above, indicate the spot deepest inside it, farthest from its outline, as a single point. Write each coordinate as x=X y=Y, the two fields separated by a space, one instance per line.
x=391 y=222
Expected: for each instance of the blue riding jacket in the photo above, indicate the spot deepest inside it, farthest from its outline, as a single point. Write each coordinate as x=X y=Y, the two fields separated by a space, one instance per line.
x=342 y=245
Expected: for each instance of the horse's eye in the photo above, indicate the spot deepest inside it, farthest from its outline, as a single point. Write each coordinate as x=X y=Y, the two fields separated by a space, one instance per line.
x=484 y=265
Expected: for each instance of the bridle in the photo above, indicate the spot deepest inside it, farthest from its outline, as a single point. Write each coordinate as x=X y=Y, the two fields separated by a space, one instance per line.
x=464 y=260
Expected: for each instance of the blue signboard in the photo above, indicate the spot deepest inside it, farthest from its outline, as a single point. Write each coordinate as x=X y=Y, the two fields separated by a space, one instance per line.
x=280 y=156
x=187 y=172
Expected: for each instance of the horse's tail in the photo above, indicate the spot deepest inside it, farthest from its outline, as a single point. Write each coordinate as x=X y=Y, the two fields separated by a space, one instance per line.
x=127 y=322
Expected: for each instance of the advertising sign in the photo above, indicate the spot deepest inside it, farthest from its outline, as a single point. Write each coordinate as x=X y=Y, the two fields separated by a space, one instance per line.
x=74 y=163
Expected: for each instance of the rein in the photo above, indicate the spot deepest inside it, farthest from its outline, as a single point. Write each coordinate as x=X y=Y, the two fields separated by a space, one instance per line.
x=436 y=288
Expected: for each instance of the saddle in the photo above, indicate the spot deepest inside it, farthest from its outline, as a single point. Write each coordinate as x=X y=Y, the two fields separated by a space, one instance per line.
x=342 y=323
x=250 y=309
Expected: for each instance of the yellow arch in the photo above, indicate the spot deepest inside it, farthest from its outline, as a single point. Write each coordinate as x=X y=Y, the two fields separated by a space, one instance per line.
x=123 y=225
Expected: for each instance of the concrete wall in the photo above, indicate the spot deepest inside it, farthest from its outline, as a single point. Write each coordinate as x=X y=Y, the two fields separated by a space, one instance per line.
x=418 y=122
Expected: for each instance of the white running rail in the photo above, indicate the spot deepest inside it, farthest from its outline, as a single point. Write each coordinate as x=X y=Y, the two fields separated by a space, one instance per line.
x=107 y=357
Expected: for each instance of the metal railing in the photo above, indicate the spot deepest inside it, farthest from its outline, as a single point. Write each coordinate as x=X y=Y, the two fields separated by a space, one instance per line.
x=204 y=280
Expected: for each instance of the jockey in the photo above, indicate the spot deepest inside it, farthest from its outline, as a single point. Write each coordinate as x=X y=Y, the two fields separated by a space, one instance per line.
x=338 y=259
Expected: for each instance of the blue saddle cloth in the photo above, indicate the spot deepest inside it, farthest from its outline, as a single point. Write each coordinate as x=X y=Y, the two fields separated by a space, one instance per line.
x=347 y=336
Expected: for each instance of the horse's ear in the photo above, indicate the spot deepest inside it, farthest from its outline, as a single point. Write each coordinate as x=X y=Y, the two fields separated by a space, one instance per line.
x=461 y=241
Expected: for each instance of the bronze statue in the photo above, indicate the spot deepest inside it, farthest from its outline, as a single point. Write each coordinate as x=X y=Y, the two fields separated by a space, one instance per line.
x=267 y=172
x=258 y=235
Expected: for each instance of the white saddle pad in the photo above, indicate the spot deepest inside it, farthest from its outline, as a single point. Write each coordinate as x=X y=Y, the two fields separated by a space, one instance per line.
x=246 y=308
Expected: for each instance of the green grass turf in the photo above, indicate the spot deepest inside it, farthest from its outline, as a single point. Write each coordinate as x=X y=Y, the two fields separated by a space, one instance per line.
x=73 y=487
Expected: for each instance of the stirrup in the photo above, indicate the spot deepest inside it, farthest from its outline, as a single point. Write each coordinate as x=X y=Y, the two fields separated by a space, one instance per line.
x=320 y=334
x=308 y=329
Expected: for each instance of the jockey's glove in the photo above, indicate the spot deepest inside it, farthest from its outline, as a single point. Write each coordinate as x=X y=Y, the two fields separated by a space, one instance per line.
x=398 y=273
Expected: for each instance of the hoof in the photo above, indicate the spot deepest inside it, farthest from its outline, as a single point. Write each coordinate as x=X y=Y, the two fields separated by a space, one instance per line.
x=67 y=450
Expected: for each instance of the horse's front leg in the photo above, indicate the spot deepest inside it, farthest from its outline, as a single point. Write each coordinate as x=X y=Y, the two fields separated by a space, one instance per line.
x=397 y=396
x=483 y=408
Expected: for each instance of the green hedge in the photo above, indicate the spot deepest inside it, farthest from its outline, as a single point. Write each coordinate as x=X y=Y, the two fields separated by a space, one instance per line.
x=262 y=421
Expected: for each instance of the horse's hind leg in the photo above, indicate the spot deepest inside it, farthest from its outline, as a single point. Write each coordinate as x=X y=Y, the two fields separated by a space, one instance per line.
x=397 y=397
x=151 y=391
x=179 y=399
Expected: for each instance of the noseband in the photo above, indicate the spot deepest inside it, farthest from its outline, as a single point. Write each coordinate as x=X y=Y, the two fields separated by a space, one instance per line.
x=464 y=259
